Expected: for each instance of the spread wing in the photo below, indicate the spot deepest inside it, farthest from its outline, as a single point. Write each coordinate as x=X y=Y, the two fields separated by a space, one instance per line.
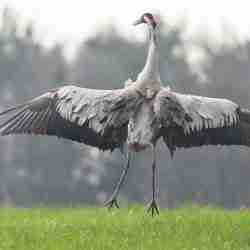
x=95 y=117
x=192 y=121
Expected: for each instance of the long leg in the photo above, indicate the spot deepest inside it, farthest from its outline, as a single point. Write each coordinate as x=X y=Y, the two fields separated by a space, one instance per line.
x=153 y=208
x=112 y=201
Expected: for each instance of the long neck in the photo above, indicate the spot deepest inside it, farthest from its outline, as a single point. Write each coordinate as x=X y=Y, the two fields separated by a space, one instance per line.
x=151 y=69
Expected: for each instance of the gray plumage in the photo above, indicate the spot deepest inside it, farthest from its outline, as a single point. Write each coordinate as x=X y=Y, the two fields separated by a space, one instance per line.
x=98 y=118
x=103 y=118
x=193 y=121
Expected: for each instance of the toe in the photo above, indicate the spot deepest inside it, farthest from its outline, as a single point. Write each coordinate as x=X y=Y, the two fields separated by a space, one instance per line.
x=111 y=203
x=153 y=208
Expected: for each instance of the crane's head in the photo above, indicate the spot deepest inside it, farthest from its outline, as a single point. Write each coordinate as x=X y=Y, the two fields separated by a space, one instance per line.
x=147 y=18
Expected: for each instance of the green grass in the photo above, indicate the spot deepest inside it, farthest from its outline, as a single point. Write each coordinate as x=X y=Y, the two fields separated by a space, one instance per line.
x=95 y=228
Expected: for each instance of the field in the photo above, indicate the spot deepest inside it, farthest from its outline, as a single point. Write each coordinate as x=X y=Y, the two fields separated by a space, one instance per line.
x=189 y=228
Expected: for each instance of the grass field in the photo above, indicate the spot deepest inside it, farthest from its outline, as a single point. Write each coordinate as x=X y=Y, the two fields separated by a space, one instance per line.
x=95 y=228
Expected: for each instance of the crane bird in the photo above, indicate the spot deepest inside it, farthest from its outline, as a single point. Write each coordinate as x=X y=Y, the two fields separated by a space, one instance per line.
x=137 y=115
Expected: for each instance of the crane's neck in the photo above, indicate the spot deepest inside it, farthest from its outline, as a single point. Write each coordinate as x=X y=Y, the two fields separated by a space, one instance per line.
x=151 y=70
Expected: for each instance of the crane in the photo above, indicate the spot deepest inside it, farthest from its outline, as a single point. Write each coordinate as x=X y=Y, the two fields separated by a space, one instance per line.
x=137 y=115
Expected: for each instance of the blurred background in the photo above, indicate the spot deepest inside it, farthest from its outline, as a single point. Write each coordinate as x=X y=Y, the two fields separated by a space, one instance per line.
x=205 y=50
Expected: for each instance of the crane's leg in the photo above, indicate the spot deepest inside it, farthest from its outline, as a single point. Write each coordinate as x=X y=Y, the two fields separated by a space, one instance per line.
x=153 y=207
x=112 y=201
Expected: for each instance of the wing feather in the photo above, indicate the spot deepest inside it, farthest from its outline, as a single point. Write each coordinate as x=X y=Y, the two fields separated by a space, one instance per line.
x=95 y=117
x=13 y=118
x=193 y=121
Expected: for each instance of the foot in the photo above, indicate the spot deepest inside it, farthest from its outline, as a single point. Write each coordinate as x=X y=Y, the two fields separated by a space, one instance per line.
x=111 y=203
x=153 y=208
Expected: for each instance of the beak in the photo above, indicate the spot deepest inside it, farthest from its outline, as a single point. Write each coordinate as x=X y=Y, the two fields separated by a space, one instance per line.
x=139 y=21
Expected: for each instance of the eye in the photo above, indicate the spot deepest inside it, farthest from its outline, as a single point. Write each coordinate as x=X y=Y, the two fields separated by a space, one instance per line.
x=143 y=18
x=149 y=18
